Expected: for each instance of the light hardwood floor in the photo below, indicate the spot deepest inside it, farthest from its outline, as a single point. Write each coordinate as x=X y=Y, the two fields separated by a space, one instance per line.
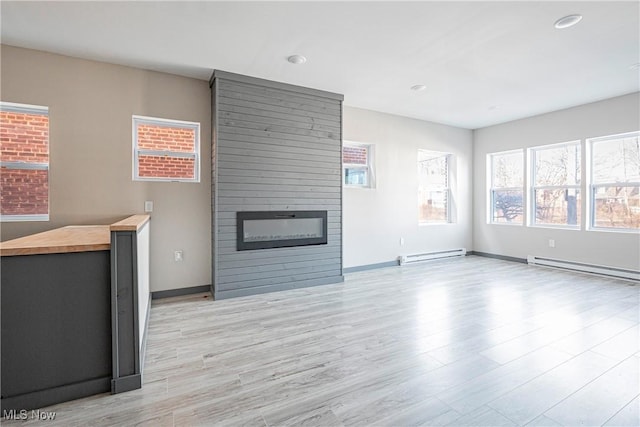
x=462 y=342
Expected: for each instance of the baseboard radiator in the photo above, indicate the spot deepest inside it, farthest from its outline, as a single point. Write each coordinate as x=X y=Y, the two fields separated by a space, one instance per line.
x=586 y=268
x=427 y=256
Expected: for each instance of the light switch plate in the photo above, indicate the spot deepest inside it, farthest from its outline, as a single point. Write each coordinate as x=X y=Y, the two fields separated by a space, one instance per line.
x=148 y=206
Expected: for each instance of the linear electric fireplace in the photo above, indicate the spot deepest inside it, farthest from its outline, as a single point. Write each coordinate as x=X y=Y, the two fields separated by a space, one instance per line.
x=280 y=229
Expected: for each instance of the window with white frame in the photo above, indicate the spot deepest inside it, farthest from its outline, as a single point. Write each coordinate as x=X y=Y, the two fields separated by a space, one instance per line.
x=434 y=192
x=506 y=187
x=357 y=165
x=555 y=192
x=165 y=150
x=24 y=162
x=615 y=182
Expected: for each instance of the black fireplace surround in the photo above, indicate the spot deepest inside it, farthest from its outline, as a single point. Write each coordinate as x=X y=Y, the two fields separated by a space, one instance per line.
x=280 y=229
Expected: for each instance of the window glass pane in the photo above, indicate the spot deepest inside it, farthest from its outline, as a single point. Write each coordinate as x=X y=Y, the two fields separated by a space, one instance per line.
x=357 y=168
x=557 y=165
x=507 y=206
x=24 y=141
x=355 y=176
x=166 y=138
x=433 y=172
x=507 y=170
x=433 y=205
x=433 y=191
x=617 y=207
x=557 y=207
x=355 y=155
x=166 y=167
x=24 y=191
x=616 y=160
x=172 y=137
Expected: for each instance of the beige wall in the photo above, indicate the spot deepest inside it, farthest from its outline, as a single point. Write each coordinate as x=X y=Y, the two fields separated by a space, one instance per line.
x=90 y=108
x=375 y=219
x=608 y=117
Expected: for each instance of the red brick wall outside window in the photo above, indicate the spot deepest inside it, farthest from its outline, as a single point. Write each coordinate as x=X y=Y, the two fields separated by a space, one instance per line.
x=354 y=155
x=357 y=169
x=24 y=162
x=165 y=150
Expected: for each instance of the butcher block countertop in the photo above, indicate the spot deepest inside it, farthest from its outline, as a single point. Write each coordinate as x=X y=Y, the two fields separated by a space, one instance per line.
x=133 y=223
x=73 y=238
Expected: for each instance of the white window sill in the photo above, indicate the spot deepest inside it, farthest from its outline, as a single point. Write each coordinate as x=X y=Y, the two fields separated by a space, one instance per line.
x=556 y=227
x=23 y=218
x=165 y=180
x=615 y=230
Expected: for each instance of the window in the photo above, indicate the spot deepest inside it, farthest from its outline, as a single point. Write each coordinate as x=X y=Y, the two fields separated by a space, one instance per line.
x=506 y=187
x=165 y=150
x=357 y=167
x=434 y=194
x=556 y=185
x=24 y=162
x=615 y=182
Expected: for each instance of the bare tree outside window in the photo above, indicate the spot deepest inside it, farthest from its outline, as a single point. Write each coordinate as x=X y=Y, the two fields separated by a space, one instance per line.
x=615 y=182
x=433 y=187
x=506 y=187
x=556 y=184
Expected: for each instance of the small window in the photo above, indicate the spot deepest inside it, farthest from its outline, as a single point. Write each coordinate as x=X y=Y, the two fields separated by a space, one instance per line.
x=357 y=167
x=615 y=182
x=556 y=185
x=434 y=193
x=165 y=150
x=24 y=162
x=506 y=187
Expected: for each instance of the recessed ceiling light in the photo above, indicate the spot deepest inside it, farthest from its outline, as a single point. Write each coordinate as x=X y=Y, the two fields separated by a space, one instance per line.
x=492 y=107
x=568 y=21
x=418 y=88
x=297 y=59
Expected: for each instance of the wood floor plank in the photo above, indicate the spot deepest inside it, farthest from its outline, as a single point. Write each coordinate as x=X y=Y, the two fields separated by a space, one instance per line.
x=601 y=399
x=483 y=417
x=535 y=397
x=620 y=346
x=629 y=416
x=476 y=393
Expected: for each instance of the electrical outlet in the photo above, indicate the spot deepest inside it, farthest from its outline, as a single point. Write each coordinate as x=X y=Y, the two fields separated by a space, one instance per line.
x=177 y=256
x=552 y=243
x=148 y=206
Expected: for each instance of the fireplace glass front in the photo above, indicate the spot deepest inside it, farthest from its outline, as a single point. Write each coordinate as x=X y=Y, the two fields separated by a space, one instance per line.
x=278 y=229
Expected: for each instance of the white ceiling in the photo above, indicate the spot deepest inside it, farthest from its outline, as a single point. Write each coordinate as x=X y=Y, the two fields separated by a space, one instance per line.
x=483 y=62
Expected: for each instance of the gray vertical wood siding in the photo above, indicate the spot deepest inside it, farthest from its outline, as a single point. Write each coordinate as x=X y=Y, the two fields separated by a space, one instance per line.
x=275 y=147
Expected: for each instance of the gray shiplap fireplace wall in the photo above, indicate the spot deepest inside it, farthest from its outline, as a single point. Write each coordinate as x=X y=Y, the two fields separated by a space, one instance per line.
x=276 y=147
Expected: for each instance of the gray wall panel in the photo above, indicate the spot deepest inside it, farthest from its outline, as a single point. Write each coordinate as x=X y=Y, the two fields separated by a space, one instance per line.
x=276 y=147
x=278 y=137
x=278 y=280
x=244 y=105
x=291 y=153
x=227 y=123
x=279 y=145
x=233 y=97
x=292 y=116
x=282 y=96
